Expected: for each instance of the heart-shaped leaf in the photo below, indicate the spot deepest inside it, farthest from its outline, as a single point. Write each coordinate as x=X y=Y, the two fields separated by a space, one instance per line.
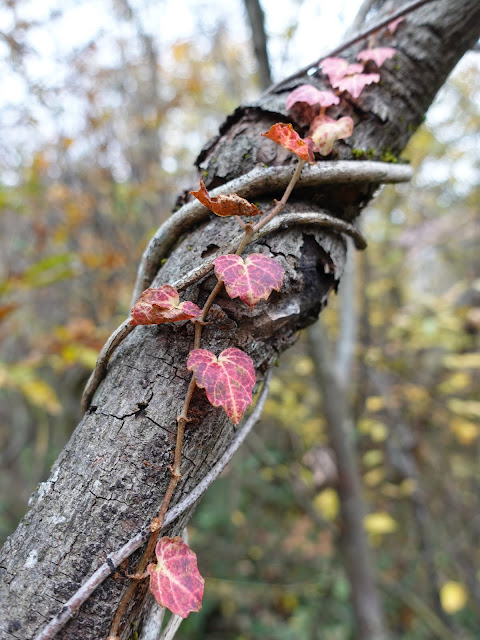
x=162 y=305
x=324 y=131
x=228 y=380
x=175 y=580
x=284 y=135
x=312 y=96
x=251 y=280
x=356 y=83
x=378 y=54
x=225 y=205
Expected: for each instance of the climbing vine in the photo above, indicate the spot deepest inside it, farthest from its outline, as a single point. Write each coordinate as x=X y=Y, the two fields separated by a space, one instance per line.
x=229 y=377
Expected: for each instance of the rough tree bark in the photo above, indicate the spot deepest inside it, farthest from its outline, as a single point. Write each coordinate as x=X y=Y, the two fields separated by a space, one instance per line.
x=109 y=480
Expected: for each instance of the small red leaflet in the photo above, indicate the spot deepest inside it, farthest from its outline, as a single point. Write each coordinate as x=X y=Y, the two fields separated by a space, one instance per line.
x=228 y=380
x=175 y=580
x=251 y=280
x=324 y=131
x=162 y=305
x=378 y=55
x=356 y=83
x=312 y=96
x=284 y=135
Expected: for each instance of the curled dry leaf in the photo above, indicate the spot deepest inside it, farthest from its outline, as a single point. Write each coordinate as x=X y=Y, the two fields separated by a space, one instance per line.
x=284 y=135
x=225 y=205
x=228 y=380
x=378 y=55
x=252 y=279
x=175 y=580
x=156 y=306
x=356 y=83
x=312 y=96
x=324 y=131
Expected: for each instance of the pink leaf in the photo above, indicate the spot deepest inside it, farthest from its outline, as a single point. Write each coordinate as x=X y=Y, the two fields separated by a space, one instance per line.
x=378 y=55
x=162 y=305
x=227 y=381
x=225 y=205
x=355 y=84
x=324 y=131
x=175 y=580
x=392 y=26
x=285 y=135
x=312 y=96
x=251 y=280
x=336 y=68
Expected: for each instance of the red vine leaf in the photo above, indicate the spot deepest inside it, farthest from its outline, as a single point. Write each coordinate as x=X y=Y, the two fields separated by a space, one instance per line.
x=336 y=68
x=356 y=83
x=162 y=305
x=392 y=26
x=284 y=135
x=225 y=205
x=175 y=580
x=251 y=280
x=378 y=55
x=228 y=380
x=324 y=131
x=312 y=96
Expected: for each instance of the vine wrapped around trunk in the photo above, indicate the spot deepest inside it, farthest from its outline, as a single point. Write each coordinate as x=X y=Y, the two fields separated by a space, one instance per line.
x=109 y=480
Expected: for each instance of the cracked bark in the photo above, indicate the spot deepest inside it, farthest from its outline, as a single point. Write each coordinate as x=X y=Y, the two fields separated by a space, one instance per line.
x=110 y=478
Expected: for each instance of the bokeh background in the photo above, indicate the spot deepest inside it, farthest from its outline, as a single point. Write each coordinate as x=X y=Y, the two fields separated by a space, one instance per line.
x=103 y=109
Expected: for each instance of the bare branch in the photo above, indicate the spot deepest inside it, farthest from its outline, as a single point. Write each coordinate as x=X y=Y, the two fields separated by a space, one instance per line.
x=256 y=18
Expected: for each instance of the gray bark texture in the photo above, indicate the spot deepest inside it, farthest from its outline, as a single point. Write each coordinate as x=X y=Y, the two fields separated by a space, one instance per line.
x=110 y=479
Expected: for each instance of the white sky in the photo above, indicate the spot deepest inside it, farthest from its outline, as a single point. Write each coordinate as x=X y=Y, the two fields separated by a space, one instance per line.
x=321 y=24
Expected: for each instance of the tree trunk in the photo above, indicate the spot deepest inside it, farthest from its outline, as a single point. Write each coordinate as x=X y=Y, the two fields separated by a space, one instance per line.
x=110 y=479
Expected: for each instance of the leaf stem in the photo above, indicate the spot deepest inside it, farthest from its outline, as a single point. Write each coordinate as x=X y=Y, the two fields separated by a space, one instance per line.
x=281 y=203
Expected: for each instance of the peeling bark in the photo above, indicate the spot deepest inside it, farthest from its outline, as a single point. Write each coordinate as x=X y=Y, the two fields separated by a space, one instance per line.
x=110 y=478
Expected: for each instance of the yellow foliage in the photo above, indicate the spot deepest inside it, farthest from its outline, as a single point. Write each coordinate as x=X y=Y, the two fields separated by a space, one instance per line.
x=380 y=523
x=267 y=474
x=462 y=361
x=238 y=518
x=327 y=503
x=467 y=408
x=465 y=431
x=400 y=491
x=40 y=394
x=408 y=486
x=72 y=353
x=453 y=597
x=289 y=602
x=374 y=477
x=373 y=458
x=456 y=382
x=377 y=431
x=374 y=403
x=255 y=552
x=304 y=367
x=417 y=396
